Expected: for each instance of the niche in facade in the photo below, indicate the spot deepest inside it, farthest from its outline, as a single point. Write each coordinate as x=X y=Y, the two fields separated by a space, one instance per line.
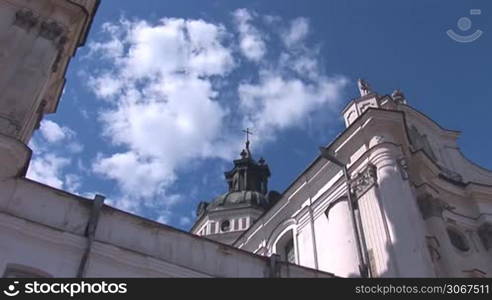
x=458 y=239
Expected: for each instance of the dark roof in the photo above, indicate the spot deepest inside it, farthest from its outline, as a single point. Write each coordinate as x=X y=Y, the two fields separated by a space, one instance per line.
x=238 y=199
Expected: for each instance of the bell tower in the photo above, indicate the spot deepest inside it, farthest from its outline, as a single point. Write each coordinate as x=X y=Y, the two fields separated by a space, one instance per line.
x=247 y=175
x=232 y=213
x=37 y=40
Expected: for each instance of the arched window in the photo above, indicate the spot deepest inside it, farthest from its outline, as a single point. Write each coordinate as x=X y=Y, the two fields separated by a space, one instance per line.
x=332 y=204
x=21 y=271
x=285 y=247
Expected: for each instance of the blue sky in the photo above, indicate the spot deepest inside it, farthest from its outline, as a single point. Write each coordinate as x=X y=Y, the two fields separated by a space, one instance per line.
x=154 y=104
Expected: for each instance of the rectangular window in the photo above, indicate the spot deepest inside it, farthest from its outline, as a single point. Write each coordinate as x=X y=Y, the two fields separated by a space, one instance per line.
x=243 y=223
x=235 y=223
x=212 y=228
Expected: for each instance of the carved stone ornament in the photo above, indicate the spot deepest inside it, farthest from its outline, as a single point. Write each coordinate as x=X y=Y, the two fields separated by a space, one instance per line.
x=398 y=97
x=50 y=30
x=433 y=246
x=364 y=87
x=364 y=180
x=365 y=106
x=25 y=19
x=403 y=167
x=451 y=175
x=430 y=206
x=376 y=140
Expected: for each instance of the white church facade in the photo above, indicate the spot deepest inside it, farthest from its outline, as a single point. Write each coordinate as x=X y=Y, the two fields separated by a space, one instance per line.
x=414 y=206
x=391 y=196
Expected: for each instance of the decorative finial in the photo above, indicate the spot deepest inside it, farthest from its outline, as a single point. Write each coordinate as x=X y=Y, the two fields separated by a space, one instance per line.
x=398 y=96
x=247 y=139
x=364 y=87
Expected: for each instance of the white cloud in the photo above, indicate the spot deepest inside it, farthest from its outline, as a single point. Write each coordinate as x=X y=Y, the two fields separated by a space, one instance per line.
x=112 y=48
x=289 y=92
x=105 y=86
x=165 y=85
x=124 y=203
x=299 y=29
x=251 y=41
x=165 y=218
x=164 y=109
x=53 y=133
x=137 y=175
x=84 y=113
x=75 y=147
x=176 y=46
x=34 y=146
x=271 y=19
x=52 y=158
x=184 y=221
x=73 y=182
x=48 y=169
x=276 y=103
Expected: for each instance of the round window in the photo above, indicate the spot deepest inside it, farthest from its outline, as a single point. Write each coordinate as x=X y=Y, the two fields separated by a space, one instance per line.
x=225 y=225
x=458 y=239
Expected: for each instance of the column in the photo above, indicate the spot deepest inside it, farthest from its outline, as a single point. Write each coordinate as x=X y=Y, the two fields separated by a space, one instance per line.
x=400 y=211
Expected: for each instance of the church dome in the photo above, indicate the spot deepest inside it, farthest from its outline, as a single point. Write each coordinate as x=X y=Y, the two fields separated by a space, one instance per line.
x=248 y=186
x=238 y=199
